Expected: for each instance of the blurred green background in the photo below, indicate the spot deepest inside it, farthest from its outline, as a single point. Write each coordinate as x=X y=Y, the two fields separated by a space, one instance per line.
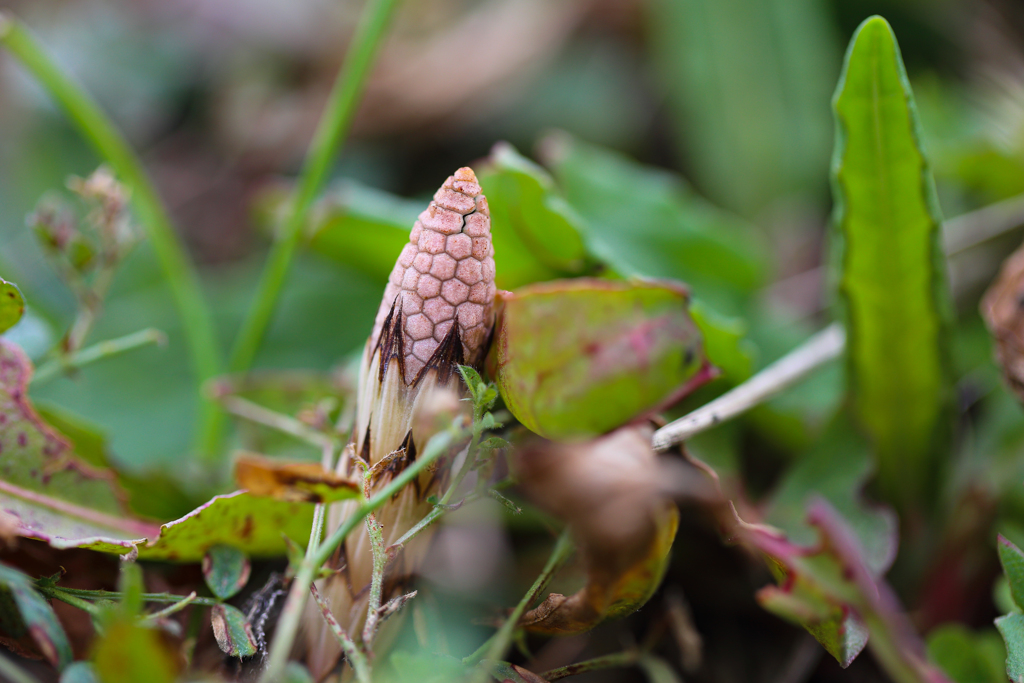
x=700 y=129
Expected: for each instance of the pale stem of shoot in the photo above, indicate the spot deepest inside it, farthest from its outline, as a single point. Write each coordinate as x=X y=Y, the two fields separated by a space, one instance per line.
x=791 y=368
x=96 y=352
x=291 y=614
x=356 y=659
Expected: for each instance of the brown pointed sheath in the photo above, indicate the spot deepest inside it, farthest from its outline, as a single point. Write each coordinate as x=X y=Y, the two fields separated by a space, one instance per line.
x=437 y=312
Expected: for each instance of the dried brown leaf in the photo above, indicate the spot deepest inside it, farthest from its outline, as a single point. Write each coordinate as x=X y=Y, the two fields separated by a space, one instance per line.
x=292 y=481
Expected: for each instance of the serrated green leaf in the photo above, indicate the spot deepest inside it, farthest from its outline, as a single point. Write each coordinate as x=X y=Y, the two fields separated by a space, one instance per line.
x=232 y=631
x=34 y=617
x=1011 y=628
x=618 y=350
x=225 y=570
x=12 y=305
x=892 y=281
x=1012 y=560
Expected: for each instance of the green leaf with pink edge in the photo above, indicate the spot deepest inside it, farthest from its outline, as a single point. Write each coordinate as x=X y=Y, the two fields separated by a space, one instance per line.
x=12 y=305
x=57 y=497
x=226 y=570
x=67 y=503
x=578 y=358
x=35 y=618
x=830 y=590
x=1012 y=560
x=232 y=631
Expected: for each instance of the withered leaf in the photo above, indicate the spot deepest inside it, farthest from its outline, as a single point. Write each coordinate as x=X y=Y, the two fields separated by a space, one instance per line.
x=293 y=481
x=612 y=493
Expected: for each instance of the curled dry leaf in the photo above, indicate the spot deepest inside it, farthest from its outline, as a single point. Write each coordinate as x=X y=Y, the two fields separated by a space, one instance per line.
x=1003 y=311
x=233 y=633
x=293 y=481
x=612 y=493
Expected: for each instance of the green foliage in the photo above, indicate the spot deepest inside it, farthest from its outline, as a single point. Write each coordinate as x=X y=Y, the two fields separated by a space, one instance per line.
x=23 y=612
x=966 y=656
x=537 y=233
x=226 y=570
x=644 y=221
x=892 y=278
x=1011 y=628
x=12 y=305
x=79 y=672
x=618 y=350
x=745 y=83
x=232 y=631
x=1012 y=560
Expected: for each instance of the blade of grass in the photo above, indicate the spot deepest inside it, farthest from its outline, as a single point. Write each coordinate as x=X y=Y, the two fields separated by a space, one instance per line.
x=331 y=131
x=181 y=276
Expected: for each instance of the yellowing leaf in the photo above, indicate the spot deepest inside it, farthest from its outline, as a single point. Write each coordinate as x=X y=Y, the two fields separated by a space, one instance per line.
x=293 y=481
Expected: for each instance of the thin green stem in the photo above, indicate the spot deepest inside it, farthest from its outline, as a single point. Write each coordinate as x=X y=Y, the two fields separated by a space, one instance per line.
x=176 y=607
x=253 y=412
x=496 y=646
x=104 y=349
x=116 y=596
x=181 y=276
x=291 y=613
x=71 y=599
x=12 y=672
x=331 y=131
x=617 y=660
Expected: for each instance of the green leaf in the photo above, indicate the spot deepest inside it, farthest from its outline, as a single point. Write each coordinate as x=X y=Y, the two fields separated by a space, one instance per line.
x=35 y=617
x=746 y=83
x=836 y=469
x=646 y=221
x=57 y=497
x=725 y=342
x=892 y=280
x=535 y=232
x=358 y=226
x=578 y=358
x=966 y=656
x=426 y=667
x=226 y=570
x=12 y=305
x=296 y=673
x=1012 y=560
x=79 y=672
x=1011 y=628
x=129 y=653
x=256 y=526
x=232 y=631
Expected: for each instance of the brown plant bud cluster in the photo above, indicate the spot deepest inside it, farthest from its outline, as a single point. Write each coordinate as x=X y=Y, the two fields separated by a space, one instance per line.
x=443 y=275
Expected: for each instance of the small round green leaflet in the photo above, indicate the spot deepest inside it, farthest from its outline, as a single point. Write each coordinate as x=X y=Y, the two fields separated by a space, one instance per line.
x=12 y=305
x=226 y=570
x=233 y=633
x=578 y=358
x=79 y=672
